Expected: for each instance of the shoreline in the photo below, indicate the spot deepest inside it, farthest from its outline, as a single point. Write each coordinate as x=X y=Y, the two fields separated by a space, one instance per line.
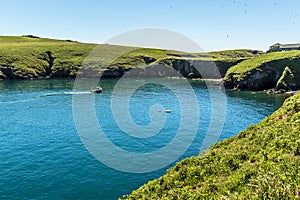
x=215 y=82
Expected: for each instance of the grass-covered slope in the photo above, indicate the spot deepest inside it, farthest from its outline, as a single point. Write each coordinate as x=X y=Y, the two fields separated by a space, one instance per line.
x=32 y=57
x=264 y=71
x=29 y=57
x=262 y=162
x=235 y=54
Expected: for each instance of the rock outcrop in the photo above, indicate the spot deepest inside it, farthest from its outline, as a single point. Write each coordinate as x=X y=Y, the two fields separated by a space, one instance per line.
x=47 y=58
x=8 y=72
x=171 y=67
x=280 y=74
x=188 y=68
x=264 y=78
x=287 y=81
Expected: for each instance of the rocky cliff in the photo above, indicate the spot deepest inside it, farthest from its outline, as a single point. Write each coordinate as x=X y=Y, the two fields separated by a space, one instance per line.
x=279 y=71
x=174 y=67
x=146 y=66
x=25 y=57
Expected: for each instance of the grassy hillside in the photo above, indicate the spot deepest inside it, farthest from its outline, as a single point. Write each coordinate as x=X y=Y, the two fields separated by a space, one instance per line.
x=22 y=57
x=256 y=62
x=262 y=162
x=233 y=54
x=264 y=71
x=32 y=56
x=28 y=57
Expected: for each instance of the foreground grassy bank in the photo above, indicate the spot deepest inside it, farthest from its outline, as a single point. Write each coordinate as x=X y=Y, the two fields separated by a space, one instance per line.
x=262 y=162
x=29 y=57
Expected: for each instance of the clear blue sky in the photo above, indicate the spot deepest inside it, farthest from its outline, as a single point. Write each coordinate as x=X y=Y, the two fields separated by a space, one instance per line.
x=213 y=24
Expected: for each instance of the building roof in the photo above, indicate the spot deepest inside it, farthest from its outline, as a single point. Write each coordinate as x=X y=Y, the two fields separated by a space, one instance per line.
x=277 y=44
x=289 y=46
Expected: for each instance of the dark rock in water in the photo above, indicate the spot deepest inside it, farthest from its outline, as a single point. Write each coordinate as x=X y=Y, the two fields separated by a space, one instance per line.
x=270 y=91
x=61 y=73
x=273 y=91
x=12 y=73
x=8 y=72
x=2 y=76
x=28 y=76
x=281 y=91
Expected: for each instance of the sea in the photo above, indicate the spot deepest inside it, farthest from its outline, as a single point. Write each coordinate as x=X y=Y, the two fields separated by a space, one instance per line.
x=60 y=141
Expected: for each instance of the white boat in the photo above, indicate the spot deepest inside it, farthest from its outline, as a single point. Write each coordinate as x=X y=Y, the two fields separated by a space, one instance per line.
x=97 y=90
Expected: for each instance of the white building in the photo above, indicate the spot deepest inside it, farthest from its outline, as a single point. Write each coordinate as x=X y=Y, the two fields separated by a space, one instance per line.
x=284 y=47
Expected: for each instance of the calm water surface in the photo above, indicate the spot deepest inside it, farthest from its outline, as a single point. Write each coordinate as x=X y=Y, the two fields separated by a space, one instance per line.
x=42 y=156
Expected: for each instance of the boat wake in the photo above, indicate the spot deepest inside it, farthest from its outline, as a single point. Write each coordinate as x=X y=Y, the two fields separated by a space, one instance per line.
x=32 y=98
x=17 y=101
x=66 y=93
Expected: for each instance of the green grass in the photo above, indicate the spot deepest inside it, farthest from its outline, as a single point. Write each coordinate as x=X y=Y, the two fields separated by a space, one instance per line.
x=256 y=62
x=263 y=71
x=28 y=56
x=230 y=54
x=135 y=58
x=262 y=162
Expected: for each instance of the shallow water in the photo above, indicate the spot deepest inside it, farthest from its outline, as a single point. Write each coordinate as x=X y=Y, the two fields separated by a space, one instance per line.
x=42 y=156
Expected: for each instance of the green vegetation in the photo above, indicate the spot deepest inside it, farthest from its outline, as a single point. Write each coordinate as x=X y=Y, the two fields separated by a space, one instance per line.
x=141 y=57
x=287 y=80
x=228 y=55
x=264 y=71
x=257 y=62
x=235 y=54
x=262 y=162
x=30 y=57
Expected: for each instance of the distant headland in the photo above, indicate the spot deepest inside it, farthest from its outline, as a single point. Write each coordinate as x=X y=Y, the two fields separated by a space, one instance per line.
x=31 y=57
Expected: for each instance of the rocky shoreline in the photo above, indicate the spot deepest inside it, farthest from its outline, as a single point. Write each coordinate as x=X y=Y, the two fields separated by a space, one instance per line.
x=170 y=67
x=279 y=75
x=39 y=58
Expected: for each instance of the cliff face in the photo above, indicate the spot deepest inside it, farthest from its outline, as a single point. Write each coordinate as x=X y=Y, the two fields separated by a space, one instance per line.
x=201 y=68
x=173 y=67
x=262 y=162
x=265 y=77
x=31 y=58
x=170 y=67
x=279 y=71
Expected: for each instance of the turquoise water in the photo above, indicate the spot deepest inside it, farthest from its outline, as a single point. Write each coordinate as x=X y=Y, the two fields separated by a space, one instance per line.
x=42 y=156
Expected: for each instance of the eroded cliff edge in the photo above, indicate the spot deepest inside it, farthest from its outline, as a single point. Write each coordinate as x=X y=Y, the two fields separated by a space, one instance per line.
x=28 y=57
x=277 y=71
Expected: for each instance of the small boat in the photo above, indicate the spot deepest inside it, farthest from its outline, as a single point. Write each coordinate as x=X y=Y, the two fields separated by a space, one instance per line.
x=168 y=111
x=97 y=90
